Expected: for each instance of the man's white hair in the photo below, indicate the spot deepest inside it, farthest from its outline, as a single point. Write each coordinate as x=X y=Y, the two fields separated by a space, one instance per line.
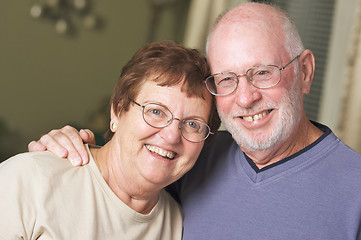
x=292 y=40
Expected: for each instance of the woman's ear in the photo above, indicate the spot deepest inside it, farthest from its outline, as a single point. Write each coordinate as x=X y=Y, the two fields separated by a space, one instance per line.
x=306 y=65
x=114 y=117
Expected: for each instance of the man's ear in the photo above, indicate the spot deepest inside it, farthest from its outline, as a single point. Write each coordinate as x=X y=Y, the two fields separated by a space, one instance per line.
x=306 y=63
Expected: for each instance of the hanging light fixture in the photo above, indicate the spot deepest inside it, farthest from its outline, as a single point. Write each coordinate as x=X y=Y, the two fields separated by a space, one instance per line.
x=66 y=15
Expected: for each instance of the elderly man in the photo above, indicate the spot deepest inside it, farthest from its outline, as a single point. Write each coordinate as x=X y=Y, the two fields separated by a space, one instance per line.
x=279 y=176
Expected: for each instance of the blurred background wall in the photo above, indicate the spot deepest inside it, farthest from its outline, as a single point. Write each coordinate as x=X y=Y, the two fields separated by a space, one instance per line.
x=51 y=76
x=49 y=79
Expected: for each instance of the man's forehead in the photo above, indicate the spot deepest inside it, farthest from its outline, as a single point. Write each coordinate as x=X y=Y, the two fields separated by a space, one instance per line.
x=243 y=47
x=242 y=54
x=245 y=23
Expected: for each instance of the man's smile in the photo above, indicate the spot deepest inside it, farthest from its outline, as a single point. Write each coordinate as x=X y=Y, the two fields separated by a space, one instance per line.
x=256 y=116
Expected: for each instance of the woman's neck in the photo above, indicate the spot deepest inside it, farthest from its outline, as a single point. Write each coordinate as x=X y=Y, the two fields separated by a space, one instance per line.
x=134 y=194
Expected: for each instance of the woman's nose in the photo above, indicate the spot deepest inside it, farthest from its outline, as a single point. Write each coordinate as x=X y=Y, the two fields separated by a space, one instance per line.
x=171 y=133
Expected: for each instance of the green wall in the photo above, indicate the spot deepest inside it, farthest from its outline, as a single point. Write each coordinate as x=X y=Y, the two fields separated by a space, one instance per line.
x=48 y=80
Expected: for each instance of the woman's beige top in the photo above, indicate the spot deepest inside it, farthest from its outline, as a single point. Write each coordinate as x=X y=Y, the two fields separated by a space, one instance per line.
x=44 y=197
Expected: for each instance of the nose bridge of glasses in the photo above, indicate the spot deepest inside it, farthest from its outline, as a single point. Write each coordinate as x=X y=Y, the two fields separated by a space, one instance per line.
x=248 y=77
x=174 y=118
x=243 y=75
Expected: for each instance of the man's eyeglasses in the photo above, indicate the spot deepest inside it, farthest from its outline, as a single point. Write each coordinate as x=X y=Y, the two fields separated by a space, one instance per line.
x=267 y=76
x=158 y=116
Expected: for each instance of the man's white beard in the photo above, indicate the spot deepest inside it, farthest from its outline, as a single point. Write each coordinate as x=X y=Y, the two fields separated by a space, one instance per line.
x=290 y=116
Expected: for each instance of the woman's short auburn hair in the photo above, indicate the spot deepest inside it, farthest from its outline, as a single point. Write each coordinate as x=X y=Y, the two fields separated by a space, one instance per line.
x=166 y=63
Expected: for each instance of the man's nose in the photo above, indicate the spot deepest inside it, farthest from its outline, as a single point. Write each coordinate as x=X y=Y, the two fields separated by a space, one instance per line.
x=246 y=94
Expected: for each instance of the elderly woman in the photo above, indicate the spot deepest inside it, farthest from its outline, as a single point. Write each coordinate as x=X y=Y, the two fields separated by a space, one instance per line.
x=161 y=114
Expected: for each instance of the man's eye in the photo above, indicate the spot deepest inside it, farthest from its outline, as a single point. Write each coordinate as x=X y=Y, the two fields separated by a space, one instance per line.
x=226 y=80
x=261 y=73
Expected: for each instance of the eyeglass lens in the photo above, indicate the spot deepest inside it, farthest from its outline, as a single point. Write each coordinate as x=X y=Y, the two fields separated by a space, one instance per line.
x=221 y=84
x=260 y=77
x=159 y=116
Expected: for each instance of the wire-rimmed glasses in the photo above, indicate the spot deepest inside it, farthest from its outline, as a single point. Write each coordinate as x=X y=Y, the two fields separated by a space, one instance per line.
x=265 y=76
x=159 y=116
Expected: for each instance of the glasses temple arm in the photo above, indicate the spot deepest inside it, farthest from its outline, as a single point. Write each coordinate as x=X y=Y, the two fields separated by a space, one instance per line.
x=290 y=62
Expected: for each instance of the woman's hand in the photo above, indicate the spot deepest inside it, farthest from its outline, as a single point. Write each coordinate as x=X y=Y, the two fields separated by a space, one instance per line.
x=66 y=142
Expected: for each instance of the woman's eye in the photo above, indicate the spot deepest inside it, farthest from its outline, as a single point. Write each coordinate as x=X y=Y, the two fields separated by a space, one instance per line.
x=192 y=126
x=156 y=112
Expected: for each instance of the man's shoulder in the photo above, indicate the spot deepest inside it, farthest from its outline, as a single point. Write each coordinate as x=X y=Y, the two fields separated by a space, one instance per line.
x=216 y=154
x=220 y=147
x=221 y=142
x=335 y=154
x=220 y=138
x=329 y=141
x=333 y=145
x=345 y=153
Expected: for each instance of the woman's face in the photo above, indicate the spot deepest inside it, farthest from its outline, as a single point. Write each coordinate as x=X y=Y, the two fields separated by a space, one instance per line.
x=157 y=156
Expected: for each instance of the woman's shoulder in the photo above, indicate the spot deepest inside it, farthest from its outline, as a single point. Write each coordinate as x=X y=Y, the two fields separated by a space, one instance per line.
x=31 y=162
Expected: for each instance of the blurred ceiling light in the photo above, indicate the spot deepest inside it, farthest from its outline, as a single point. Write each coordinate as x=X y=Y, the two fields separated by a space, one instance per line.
x=65 y=14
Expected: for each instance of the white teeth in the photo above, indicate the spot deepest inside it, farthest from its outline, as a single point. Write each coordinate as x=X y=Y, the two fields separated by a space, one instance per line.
x=161 y=152
x=255 y=117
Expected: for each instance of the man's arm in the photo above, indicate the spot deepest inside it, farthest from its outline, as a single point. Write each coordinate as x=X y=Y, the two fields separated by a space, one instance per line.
x=66 y=142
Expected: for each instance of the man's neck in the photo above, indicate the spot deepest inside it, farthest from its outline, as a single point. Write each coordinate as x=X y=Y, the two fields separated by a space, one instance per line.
x=303 y=137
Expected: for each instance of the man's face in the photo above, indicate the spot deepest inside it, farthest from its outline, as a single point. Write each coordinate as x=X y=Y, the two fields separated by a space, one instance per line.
x=258 y=119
